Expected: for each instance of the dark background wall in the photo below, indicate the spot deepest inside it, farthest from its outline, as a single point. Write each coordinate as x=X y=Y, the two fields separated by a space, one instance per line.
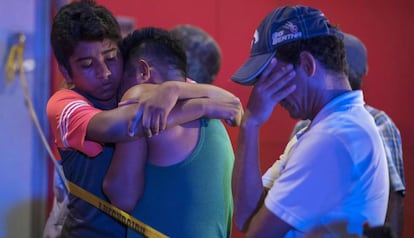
x=384 y=26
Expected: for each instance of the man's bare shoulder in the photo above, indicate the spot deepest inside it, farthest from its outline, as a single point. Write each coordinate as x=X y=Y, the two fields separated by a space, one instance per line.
x=138 y=91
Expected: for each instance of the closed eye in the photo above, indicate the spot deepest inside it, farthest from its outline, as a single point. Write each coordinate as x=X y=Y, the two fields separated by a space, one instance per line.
x=86 y=63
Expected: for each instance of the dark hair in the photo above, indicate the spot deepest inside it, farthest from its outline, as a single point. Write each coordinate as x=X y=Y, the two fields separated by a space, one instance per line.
x=156 y=46
x=328 y=50
x=203 y=52
x=81 y=21
x=355 y=79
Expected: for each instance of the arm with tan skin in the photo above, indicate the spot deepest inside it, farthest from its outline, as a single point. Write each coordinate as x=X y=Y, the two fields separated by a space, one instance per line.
x=152 y=113
x=156 y=106
x=251 y=216
x=395 y=213
x=124 y=181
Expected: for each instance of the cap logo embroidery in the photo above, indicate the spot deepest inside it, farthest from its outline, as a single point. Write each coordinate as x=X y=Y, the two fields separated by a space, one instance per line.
x=291 y=34
x=289 y=26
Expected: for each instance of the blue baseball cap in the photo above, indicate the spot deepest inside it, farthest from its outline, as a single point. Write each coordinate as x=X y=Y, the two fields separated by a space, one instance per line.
x=283 y=25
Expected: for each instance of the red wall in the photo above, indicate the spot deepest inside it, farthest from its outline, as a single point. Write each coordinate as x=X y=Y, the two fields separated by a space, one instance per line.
x=385 y=27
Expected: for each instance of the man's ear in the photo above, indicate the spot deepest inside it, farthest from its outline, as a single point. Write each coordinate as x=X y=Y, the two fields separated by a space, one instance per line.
x=143 y=70
x=65 y=74
x=307 y=63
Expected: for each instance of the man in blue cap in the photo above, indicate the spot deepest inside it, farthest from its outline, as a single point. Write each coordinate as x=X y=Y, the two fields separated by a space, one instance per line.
x=357 y=59
x=333 y=174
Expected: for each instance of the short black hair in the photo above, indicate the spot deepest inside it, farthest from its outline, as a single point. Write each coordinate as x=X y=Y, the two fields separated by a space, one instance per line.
x=328 y=50
x=155 y=45
x=81 y=21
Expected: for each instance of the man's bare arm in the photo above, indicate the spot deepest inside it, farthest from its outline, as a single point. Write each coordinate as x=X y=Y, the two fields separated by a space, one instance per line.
x=157 y=105
x=125 y=122
x=124 y=181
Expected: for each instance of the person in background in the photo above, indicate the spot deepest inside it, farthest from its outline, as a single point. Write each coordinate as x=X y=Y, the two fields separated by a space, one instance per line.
x=127 y=25
x=333 y=173
x=357 y=59
x=85 y=118
x=202 y=51
x=186 y=169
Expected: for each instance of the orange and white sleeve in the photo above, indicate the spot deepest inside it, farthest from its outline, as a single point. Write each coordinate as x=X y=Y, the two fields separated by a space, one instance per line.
x=69 y=114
